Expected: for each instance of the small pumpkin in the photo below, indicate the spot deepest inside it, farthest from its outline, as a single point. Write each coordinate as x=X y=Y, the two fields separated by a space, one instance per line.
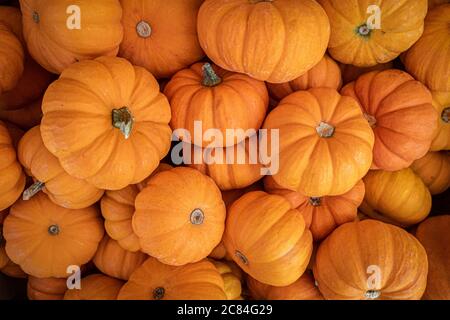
x=111 y=127
x=11 y=59
x=44 y=239
x=232 y=284
x=351 y=73
x=363 y=261
x=441 y=103
x=46 y=288
x=26 y=117
x=434 y=170
x=95 y=287
x=274 y=41
x=400 y=112
x=156 y=281
x=179 y=217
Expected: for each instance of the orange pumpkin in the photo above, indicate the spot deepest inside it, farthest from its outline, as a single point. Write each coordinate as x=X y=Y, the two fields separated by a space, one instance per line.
x=106 y=122
x=441 y=103
x=46 y=288
x=324 y=214
x=179 y=217
x=13 y=270
x=44 y=239
x=434 y=170
x=11 y=59
x=357 y=39
x=161 y=36
x=371 y=260
x=316 y=129
x=220 y=99
x=400 y=112
x=26 y=117
x=12 y=18
x=434 y=236
x=351 y=73
x=95 y=287
x=112 y=260
x=232 y=283
x=274 y=41
x=428 y=60
x=267 y=238
x=325 y=74
x=156 y=281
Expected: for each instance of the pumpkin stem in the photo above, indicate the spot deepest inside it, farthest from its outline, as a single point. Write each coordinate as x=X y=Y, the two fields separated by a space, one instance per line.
x=158 y=293
x=36 y=17
x=241 y=257
x=371 y=119
x=363 y=31
x=32 y=190
x=143 y=29
x=445 y=115
x=122 y=119
x=210 y=78
x=325 y=130
x=315 y=201
x=197 y=216
x=53 y=230
x=372 y=294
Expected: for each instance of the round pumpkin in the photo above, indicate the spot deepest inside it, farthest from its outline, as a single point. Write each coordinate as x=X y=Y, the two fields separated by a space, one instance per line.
x=232 y=284
x=179 y=217
x=325 y=144
x=274 y=41
x=26 y=117
x=398 y=197
x=220 y=99
x=63 y=189
x=46 y=288
x=428 y=60
x=434 y=170
x=156 y=281
x=351 y=73
x=441 y=103
x=434 y=236
x=370 y=260
x=323 y=214
x=11 y=59
x=107 y=122
x=44 y=239
x=161 y=36
x=114 y=261
x=400 y=112
x=95 y=287
x=355 y=41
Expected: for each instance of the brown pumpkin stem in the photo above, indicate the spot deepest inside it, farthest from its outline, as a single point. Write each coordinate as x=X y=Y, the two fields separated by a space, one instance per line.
x=371 y=119
x=53 y=230
x=197 y=217
x=33 y=190
x=241 y=257
x=445 y=115
x=158 y=293
x=36 y=17
x=315 y=201
x=363 y=31
x=210 y=77
x=122 y=119
x=372 y=294
x=325 y=130
x=143 y=29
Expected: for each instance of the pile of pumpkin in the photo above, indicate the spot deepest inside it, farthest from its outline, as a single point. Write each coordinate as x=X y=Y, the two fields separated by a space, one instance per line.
x=88 y=115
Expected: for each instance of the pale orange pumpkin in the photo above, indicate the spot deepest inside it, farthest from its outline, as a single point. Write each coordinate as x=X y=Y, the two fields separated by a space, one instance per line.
x=95 y=287
x=11 y=59
x=441 y=103
x=46 y=288
x=434 y=170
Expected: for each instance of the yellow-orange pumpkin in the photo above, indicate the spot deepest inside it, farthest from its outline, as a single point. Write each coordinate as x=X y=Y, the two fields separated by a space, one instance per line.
x=46 y=288
x=11 y=59
x=441 y=103
x=232 y=284
x=95 y=287
x=434 y=170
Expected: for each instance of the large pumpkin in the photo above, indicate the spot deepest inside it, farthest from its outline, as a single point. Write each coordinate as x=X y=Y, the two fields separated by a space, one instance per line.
x=180 y=216
x=45 y=239
x=156 y=281
x=220 y=99
x=351 y=73
x=267 y=238
x=11 y=59
x=232 y=284
x=434 y=170
x=107 y=122
x=400 y=112
x=441 y=102
x=371 y=260
x=63 y=189
x=161 y=36
x=274 y=41
x=26 y=117
x=325 y=144
x=354 y=40
x=46 y=288
x=95 y=287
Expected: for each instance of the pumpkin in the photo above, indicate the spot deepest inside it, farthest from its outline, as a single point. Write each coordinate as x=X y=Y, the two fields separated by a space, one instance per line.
x=220 y=99
x=179 y=217
x=434 y=236
x=232 y=284
x=434 y=170
x=118 y=209
x=63 y=189
x=302 y=289
x=323 y=214
x=364 y=261
x=107 y=122
x=274 y=41
x=12 y=18
x=161 y=36
x=434 y=3
x=428 y=60
x=355 y=41
x=325 y=74
x=26 y=117
x=351 y=73
x=270 y=241
x=59 y=32
x=398 y=197
x=156 y=281
x=46 y=288
x=400 y=112
x=44 y=239
x=114 y=261
x=441 y=103
x=4 y=259
x=316 y=129
x=11 y=59
x=13 y=179
x=95 y=287
x=13 y=270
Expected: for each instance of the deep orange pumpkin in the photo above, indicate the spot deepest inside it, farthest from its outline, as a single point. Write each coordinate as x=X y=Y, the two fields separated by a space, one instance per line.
x=11 y=59
x=434 y=170
x=13 y=270
x=26 y=117
x=96 y=287
x=46 y=288
x=441 y=103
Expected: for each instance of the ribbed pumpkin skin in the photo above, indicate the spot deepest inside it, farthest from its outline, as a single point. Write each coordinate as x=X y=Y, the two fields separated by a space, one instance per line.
x=325 y=74
x=343 y=260
x=434 y=170
x=271 y=41
x=96 y=287
x=267 y=238
x=172 y=44
x=46 y=288
x=11 y=59
x=401 y=114
x=77 y=123
x=428 y=60
x=194 y=281
x=398 y=197
x=441 y=103
x=26 y=117
x=351 y=73
x=402 y=23
x=311 y=162
x=434 y=235
x=232 y=284
x=11 y=17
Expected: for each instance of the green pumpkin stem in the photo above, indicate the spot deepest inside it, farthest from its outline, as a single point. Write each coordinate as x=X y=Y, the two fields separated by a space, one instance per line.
x=210 y=78
x=122 y=119
x=33 y=190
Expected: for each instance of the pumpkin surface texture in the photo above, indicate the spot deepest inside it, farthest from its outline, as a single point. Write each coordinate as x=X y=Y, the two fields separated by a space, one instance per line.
x=46 y=288
x=11 y=59
x=441 y=103
x=434 y=170
x=95 y=287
